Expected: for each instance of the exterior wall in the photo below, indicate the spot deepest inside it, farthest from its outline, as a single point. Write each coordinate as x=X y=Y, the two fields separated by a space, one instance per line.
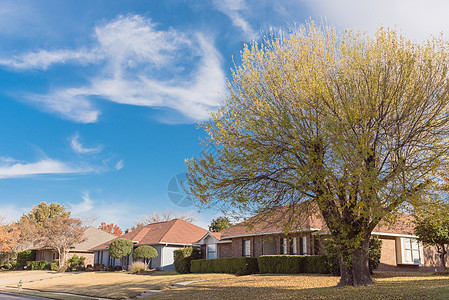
x=224 y=250
x=167 y=258
x=237 y=247
x=46 y=255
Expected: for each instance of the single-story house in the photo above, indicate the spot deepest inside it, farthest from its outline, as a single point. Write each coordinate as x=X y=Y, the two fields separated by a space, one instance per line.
x=165 y=237
x=400 y=249
x=92 y=237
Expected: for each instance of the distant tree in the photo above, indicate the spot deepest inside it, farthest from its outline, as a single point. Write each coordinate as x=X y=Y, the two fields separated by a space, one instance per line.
x=120 y=248
x=61 y=233
x=44 y=211
x=8 y=238
x=167 y=215
x=219 y=224
x=111 y=228
x=146 y=253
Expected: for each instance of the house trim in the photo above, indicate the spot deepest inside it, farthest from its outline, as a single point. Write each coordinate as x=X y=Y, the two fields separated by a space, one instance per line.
x=270 y=232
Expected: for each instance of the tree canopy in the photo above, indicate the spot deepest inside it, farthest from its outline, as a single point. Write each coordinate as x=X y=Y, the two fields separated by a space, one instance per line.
x=120 y=248
x=144 y=252
x=219 y=224
x=351 y=126
x=111 y=228
x=44 y=211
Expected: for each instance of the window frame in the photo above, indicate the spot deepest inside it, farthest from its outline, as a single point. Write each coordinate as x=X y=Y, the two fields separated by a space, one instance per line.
x=246 y=246
x=208 y=251
x=407 y=247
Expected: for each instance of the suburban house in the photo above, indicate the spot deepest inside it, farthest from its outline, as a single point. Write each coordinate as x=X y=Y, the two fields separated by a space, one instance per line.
x=165 y=237
x=92 y=237
x=400 y=250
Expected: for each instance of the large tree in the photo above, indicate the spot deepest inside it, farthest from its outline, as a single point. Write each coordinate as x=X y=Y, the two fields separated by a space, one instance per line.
x=44 y=211
x=354 y=125
x=61 y=233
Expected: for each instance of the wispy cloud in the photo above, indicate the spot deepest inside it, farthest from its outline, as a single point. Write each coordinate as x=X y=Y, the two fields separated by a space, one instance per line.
x=119 y=165
x=138 y=65
x=233 y=9
x=83 y=207
x=43 y=59
x=44 y=166
x=79 y=148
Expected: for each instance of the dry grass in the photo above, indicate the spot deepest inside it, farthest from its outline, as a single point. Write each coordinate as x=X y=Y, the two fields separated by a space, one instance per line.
x=120 y=285
x=389 y=286
x=117 y=285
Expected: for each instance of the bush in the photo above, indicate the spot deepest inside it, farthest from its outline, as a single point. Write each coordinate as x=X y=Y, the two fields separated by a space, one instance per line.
x=24 y=257
x=232 y=265
x=77 y=262
x=293 y=264
x=109 y=268
x=120 y=248
x=137 y=266
x=183 y=257
x=54 y=266
x=375 y=249
x=118 y=268
x=37 y=265
x=98 y=267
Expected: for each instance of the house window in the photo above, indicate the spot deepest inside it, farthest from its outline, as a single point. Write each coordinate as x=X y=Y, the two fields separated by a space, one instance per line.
x=55 y=256
x=283 y=245
x=411 y=251
x=293 y=246
x=304 y=245
x=211 y=251
x=247 y=248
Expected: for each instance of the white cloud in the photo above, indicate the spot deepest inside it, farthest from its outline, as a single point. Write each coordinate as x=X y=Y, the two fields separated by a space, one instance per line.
x=83 y=207
x=417 y=19
x=119 y=165
x=139 y=66
x=44 y=166
x=79 y=148
x=43 y=59
x=233 y=9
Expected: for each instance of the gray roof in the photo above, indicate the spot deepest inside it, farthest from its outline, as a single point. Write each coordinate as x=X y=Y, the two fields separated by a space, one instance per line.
x=92 y=238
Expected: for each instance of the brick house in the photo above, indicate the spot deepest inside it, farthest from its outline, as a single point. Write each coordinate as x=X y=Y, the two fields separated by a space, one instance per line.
x=91 y=237
x=165 y=237
x=400 y=250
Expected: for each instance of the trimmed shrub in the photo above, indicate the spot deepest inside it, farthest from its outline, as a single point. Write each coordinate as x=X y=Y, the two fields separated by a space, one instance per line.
x=54 y=266
x=137 y=266
x=118 y=268
x=77 y=262
x=37 y=265
x=231 y=265
x=183 y=257
x=98 y=267
x=23 y=257
x=109 y=268
x=120 y=248
x=293 y=264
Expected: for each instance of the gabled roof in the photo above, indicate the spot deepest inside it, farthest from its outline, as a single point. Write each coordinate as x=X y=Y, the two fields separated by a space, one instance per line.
x=175 y=231
x=273 y=224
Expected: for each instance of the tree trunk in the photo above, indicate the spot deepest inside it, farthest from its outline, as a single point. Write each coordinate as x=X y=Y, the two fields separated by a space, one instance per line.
x=443 y=256
x=360 y=265
x=357 y=274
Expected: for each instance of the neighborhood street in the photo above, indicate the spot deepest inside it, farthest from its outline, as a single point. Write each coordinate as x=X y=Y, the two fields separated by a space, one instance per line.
x=18 y=297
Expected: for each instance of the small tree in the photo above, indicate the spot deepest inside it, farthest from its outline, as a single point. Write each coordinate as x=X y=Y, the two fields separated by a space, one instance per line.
x=146 y=253
x=120 y=248
x=219 y=224
x=111 y=228
x=433 y=230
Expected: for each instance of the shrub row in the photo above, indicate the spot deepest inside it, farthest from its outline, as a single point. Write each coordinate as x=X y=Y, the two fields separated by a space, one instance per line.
x=233 y=265
x=42 y=265
x=293 y=264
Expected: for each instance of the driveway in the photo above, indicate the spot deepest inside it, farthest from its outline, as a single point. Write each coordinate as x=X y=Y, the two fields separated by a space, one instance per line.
x=12 y=278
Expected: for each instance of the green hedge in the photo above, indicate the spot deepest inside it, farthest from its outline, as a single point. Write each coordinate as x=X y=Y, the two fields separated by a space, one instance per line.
x=23 y=257
x=293 y=264
x=37 y=265
x=183 y=257
x=232 y=265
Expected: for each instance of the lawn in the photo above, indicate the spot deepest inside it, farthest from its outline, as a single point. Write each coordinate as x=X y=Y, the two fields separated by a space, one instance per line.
x=120 y=285
x=389 y=286
x=116 y=285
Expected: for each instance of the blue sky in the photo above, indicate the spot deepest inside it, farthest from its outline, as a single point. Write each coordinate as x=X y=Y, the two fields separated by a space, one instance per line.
x=99 y=100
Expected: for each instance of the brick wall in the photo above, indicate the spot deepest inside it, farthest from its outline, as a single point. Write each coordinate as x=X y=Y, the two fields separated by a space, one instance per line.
x=225 y=250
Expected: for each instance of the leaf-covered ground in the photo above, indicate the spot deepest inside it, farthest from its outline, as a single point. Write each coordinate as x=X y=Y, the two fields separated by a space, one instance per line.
x=388 y=286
